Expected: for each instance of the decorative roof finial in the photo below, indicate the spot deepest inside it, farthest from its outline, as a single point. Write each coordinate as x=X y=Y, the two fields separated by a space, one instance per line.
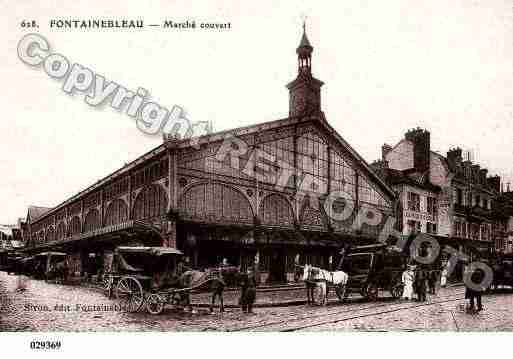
x=304 y=43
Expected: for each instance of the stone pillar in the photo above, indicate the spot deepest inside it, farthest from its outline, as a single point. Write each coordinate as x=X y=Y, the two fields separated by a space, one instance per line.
x=172 y=189
x=256 y=263
x=84 y=258
x=170 y=235
x=195 y=257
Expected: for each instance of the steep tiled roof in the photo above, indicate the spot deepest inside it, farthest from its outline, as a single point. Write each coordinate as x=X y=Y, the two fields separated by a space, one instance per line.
x=409 y=177
x=35 y=212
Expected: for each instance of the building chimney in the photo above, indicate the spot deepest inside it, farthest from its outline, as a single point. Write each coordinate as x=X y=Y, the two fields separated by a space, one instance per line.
x=467 y=169
x=454 y=158
x=384 y=150
x=482 y=176
x=494 y=183
x=421 y=148
x=475 y=174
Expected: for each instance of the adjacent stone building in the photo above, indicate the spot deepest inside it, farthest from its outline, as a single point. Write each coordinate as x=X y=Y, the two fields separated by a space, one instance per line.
x=446 y=196
x=503 y=226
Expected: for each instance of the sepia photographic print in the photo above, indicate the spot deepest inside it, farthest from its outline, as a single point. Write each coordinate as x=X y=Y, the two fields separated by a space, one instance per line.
x=230 y=169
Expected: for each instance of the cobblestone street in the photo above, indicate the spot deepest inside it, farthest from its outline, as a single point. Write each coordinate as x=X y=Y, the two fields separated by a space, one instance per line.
x=40 y=308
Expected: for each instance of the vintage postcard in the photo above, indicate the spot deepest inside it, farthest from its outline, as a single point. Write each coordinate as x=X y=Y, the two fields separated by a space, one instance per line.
x=256 y=167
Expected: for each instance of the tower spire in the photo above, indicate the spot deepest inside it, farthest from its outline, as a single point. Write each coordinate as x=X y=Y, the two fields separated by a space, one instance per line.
x=305 y=98
x=304 y=54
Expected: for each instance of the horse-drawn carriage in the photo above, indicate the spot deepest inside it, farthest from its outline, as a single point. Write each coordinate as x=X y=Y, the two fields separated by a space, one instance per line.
x=502 y=271
x=365 y=270
x=156 y=276
x=12 y=264
x=48 y=265
x=372 y=268
x=4 y=260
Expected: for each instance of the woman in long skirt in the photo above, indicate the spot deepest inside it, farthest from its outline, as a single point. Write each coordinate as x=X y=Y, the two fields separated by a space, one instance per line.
x=443 y=278
x=407 y=279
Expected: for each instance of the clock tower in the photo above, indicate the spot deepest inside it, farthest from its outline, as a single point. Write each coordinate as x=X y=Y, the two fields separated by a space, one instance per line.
x=305 y=90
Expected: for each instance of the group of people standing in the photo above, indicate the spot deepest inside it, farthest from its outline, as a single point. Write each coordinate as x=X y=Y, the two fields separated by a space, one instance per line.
x=419 y=282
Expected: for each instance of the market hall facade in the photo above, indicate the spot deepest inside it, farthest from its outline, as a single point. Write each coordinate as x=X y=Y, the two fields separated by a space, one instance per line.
x=189 y=194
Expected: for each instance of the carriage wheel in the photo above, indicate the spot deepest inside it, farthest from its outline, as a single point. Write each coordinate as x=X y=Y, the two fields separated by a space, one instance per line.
x=154 y=304
x=342 y=292
x=397 y=291
x=371 y=292
x=129 y=291
x=107 y=286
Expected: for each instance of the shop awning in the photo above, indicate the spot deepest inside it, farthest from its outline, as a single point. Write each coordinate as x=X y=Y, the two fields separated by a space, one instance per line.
x=111 y=236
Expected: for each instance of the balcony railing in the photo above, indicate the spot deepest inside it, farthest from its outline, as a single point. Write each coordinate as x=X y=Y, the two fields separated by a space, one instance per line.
x=475 y=211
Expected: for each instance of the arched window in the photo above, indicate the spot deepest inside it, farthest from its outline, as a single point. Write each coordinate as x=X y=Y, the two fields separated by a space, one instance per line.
x=116 y=212
x=216 y=202
x=150 y=202
x=276 y=210
x=92 y=220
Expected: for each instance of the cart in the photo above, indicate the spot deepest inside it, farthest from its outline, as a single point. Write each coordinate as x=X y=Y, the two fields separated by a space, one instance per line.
x=372 y=268
x=49 y=265
x=502 y=271
x=136 y=271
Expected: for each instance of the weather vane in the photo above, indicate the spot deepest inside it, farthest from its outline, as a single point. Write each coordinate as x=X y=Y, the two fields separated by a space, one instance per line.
x=304 y=22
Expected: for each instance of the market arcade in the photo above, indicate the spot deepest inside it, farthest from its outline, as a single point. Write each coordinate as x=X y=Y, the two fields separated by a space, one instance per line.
x=182 y=194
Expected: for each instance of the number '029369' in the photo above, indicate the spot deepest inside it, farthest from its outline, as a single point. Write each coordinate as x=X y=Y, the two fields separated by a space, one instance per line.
x=45 y=345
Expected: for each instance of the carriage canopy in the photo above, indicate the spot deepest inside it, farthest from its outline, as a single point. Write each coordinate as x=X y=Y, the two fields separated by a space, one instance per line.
x=154 y=251
x=146 y=259
x=48 y=254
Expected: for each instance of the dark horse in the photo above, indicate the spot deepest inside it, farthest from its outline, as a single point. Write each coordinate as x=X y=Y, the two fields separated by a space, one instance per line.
x=210 y=280
x=58 y=271
x=310 y=285
x=202 y=281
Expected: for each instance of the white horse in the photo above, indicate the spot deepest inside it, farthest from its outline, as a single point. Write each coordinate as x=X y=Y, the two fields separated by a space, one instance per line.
x=318 y=277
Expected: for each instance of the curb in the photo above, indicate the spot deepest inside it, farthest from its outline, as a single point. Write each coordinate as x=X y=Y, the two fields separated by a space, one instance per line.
x=289 y=303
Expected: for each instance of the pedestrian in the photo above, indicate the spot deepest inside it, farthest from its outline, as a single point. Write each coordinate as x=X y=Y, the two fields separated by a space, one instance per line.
x=473 y=288
x=420 y=284
x=432 y=282
x=183 y=266
x=407 y=279
x=248 y=291
x=443 y=277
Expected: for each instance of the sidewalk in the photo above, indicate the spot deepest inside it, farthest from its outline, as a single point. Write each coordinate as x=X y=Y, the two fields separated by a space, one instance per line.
x=281 y=296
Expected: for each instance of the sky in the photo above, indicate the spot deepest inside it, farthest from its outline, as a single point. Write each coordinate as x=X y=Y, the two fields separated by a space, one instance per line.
x=388 y=66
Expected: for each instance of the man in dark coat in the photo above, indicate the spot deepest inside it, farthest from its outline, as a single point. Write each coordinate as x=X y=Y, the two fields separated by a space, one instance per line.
x=432 y=278
x=248 y=291
x=420 y=284
x=473 y=293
